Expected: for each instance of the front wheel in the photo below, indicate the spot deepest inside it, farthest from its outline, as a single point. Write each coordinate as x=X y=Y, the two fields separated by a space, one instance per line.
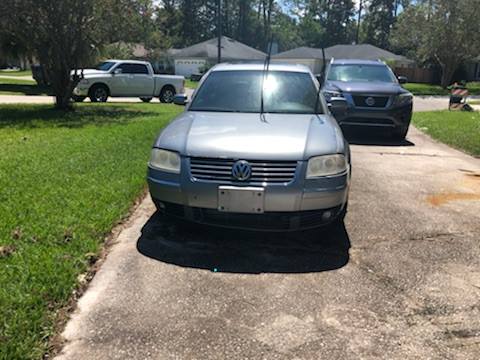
x=167 y=94
x=98 y=93
x=146 y=99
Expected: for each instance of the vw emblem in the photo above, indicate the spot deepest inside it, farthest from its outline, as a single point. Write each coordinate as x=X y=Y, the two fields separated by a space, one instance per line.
x=370 y=101
x=241 y=170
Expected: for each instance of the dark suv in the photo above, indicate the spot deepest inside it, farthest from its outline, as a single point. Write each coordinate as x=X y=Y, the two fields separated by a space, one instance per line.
x=374 y=95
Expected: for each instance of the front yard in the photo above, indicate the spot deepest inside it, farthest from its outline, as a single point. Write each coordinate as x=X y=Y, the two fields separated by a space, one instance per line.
x=11 y=86
x=460 y=130
x=65 y=181
x=434 y=90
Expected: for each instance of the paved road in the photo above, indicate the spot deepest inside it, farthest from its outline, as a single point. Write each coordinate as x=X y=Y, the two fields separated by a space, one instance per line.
x=42 y=99
x=401 y=279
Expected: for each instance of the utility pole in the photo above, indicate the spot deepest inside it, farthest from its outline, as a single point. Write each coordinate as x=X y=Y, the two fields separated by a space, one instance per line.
x=360 y=8
x=219 y=31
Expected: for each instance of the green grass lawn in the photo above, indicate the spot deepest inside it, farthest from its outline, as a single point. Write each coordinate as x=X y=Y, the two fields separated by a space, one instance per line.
x=65 y=181
x=22 y=87
x=458 y=129
x=429 y=89
x=16 y=73
x=191 y=84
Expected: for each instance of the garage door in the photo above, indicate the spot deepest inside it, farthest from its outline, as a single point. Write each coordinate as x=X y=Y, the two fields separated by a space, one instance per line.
x=187 y=67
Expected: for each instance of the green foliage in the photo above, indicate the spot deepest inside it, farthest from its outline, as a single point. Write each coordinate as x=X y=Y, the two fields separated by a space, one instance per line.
x=442 y=31
x=65 y=180
x=458 y=129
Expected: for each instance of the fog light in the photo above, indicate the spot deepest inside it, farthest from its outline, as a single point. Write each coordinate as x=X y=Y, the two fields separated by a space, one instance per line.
x=326 y=215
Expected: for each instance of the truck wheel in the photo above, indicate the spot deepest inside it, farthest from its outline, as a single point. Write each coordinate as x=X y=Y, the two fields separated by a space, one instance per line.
x=146 y=99
x=77 y=98
x=98 y=93
x=167 y=94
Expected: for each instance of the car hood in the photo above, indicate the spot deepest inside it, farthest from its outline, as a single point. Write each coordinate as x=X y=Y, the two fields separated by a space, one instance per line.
x=89 y=72
x=365 y=87
x=246 y=136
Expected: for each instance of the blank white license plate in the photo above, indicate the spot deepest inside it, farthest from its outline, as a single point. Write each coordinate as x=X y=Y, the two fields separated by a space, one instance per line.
x=241 y=199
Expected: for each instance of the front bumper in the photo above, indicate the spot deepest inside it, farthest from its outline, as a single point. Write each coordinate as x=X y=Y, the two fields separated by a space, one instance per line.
x=299 y=201
x=390 y=116
x=81 y=90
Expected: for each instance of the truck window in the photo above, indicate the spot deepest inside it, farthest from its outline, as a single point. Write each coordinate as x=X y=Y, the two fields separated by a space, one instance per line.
x=133 y=68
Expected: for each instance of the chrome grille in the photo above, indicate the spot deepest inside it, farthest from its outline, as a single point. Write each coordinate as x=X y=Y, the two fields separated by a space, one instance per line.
x=220 y=170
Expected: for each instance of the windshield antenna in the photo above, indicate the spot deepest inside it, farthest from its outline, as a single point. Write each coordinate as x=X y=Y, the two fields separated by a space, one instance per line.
x=320 y=83
x=266 y=65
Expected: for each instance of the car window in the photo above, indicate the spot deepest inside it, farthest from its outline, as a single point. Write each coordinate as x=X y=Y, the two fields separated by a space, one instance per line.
x=133 y=68
x=240 y=91
x=105 y=66
x=360 y=73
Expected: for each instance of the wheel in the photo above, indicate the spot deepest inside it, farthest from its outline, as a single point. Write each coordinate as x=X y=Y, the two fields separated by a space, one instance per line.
x=77 y=98
x=146 y=99
x=98 y=93
x=400 y=133
x=167 y=94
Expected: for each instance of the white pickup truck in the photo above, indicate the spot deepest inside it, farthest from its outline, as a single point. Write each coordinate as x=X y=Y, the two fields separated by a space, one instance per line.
x=127 y=78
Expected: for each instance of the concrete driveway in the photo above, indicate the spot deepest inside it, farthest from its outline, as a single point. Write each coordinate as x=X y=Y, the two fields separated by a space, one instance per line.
x=401 y=279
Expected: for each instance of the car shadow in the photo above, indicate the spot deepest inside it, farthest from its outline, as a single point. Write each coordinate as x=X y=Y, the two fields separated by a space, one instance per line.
x=238 y=251
x=373 y=137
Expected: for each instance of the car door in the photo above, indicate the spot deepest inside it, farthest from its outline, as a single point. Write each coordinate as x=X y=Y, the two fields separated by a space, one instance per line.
x=120 y=80
x=133 y=80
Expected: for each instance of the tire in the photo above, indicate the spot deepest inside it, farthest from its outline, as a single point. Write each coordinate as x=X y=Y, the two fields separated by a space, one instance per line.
x=77 y=98
x=98 y=93
x=146 y=99
x=167 y=94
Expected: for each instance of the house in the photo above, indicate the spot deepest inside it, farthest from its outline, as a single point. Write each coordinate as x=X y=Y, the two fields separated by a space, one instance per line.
x=193 y=59
x=312 y=57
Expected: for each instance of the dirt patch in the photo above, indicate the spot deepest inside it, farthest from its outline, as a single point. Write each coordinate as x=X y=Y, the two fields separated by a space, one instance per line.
x=471 y=181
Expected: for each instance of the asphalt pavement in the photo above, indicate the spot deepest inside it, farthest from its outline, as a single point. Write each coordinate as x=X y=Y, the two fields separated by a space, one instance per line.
x=399 y=280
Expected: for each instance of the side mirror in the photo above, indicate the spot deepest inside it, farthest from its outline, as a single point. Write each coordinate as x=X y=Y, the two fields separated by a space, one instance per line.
x=117 y=71
x=338 y=106
x=402 y=79
x=180 y=99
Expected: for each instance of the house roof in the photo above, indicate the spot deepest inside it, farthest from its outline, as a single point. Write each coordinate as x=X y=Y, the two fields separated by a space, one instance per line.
x=231 y=50
x=361 y=51
x=300 y=53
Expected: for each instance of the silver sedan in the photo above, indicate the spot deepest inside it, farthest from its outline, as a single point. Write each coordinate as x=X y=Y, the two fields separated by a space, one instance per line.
x=255 y=148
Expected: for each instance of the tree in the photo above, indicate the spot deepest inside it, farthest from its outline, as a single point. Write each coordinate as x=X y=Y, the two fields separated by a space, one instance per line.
x=442 y=30
x=379 y=21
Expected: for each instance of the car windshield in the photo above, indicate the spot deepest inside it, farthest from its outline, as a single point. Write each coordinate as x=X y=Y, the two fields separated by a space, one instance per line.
x=240 y=91
x=361 y=73
x=105 y=66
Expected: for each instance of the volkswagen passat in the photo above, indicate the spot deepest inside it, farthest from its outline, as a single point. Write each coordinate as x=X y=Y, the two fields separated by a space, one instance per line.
x=256 y=149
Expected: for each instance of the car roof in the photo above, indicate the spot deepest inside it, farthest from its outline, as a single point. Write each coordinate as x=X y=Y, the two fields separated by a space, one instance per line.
x=127 y=61
x=358 y=62
x=260 y=66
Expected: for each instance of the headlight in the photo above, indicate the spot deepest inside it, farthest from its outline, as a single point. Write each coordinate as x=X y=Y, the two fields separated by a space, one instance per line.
x=326 y=165
x=403 y=99
x=329 y=94
x=165 y=160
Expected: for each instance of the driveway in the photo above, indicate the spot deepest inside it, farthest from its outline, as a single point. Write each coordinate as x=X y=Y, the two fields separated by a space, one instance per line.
x=401 y=279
